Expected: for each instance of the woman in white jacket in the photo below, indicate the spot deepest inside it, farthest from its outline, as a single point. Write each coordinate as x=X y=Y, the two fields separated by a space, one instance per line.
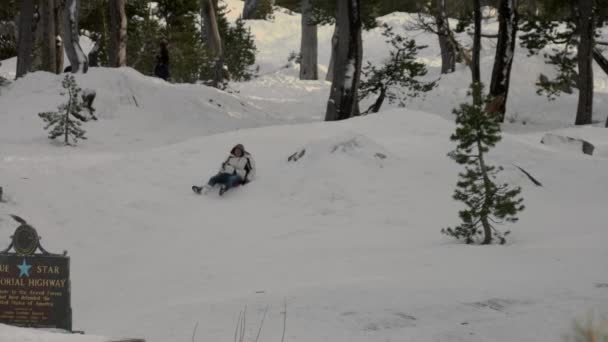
x=238 y=169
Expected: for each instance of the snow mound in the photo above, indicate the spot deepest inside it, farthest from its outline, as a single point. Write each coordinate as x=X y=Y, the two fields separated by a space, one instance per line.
x=350 y=146
x=133 y=110
x=14 y=334
x=333 y=172
x=567 y=143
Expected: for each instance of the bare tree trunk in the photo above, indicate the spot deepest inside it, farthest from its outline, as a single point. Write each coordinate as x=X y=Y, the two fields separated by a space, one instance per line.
x=71 y=38
x=59 y=20
x=334 y=46
x=375 y=108
x=448 y=51
x=603 y=63
x=505 y=49
x=25 y=44
x=344 y=98
x=250 y=8
x=49 y=36
x=475 y=67
x=487 y=203
x=38 y=37
x=213 y=39
x=118 y=33
x=584 y=113
x=309 y=45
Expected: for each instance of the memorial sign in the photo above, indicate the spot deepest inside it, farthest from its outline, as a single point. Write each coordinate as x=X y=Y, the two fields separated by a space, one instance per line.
x=34 y=287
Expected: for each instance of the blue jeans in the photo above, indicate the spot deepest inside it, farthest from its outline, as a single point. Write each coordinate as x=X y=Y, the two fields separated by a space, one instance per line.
x=227 y=179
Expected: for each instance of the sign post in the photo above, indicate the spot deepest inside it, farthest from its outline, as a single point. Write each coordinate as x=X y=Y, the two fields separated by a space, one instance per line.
x=34 y=284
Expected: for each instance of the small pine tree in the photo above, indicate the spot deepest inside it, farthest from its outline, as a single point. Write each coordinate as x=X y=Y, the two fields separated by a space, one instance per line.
x=241 y=57
x=67 y=120
x=487 y=203
x=239 y=48
x=397 y=79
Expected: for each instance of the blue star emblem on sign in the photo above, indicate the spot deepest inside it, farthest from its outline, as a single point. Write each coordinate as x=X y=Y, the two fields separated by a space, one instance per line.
x=24 y=269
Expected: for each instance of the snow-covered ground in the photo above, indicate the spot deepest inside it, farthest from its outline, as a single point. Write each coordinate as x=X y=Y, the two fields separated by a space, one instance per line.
x=347 y=240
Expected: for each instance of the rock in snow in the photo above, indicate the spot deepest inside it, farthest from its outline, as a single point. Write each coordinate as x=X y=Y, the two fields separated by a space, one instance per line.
x=568 y=143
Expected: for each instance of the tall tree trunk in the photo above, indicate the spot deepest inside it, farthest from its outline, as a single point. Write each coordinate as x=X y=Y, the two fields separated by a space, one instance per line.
x=250 y=8
x=37 y=63
x=584 y=112
x=118 y=33
x=475 y=67
x=603 y=63
x=49 y=36
x=25 y=44
x=309 y=45
x=213 y=39
x=448 y=51
x=487 y=203
x=334 y=46
x=375 y=108
x=505 y=49
x=344 y=98
x=59 y=27
x=71 y=38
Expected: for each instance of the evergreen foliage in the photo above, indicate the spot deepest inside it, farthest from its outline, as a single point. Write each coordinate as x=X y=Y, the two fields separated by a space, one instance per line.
x=324 y=12
x=553 y=32
x=8 y=9
x=487 y=203
x=265 y=10
x=239 y=58
x=8 y=47
x=397 y=79
x=8 y=42
x=144 y=35
x=144 y=32
x=376 y=7
x=190 y=60
x=182 y=32
x=541 y=32
x=94 y=18
x=67 y=120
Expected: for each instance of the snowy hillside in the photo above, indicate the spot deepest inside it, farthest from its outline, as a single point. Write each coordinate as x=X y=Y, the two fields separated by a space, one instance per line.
x=135 y=111
x=351 y=241
x=525 y=110
x=346 y=238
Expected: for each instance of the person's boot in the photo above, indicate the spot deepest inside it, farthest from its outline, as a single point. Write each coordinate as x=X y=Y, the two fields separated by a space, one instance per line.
x=202 y=189
x=223 y=189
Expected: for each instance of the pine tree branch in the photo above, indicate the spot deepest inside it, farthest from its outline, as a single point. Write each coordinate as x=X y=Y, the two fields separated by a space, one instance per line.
x=536 y=182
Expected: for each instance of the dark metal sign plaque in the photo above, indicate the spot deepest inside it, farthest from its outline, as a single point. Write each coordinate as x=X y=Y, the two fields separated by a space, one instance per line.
x=34 y=288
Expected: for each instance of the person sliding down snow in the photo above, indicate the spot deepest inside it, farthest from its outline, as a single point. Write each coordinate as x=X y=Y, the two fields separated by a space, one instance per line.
x=238 y=169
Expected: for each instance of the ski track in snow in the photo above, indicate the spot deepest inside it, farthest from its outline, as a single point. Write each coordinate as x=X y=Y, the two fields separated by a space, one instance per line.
x=347 y=236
